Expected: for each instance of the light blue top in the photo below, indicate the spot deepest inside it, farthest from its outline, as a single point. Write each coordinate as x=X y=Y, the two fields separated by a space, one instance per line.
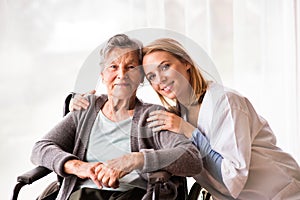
x=110 y=140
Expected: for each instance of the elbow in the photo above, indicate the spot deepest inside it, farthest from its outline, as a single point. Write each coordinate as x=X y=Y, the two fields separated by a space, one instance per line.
x=194 y=164
x=189 y=170
x=194 y=167
x=33 y=160
x=197 y=169
x=34 y=156
x=198 y=166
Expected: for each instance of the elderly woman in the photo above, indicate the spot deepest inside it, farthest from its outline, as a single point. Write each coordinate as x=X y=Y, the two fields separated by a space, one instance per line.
x=106 y=151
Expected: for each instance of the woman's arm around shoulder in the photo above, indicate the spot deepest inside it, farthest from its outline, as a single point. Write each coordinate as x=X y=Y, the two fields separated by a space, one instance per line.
x=174 y=152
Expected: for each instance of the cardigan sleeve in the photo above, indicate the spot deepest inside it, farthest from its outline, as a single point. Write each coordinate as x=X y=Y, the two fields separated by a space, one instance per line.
x=171 y=152
x=56 y=147
x=176 y=155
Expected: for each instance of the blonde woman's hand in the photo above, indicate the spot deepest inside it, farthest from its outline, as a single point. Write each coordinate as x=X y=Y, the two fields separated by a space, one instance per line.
x=164 y=120
x=79 y=101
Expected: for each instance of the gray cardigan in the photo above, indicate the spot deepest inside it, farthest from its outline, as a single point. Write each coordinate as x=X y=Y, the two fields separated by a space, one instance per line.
x=69 y=138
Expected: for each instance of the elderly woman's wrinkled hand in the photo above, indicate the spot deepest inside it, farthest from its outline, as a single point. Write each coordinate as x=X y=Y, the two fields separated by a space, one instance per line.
x=110 y=172
x=108 y=177
x=128 y=162
x=83 y=170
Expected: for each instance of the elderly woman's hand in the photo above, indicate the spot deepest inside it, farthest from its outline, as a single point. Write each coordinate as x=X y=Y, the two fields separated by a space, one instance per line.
x=108 y=177
x=83 y=170
x=79 y=101
x=163 y=120
x=110 y=172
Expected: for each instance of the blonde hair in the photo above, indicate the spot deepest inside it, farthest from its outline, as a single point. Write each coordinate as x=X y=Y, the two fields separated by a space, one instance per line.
x=197 y=81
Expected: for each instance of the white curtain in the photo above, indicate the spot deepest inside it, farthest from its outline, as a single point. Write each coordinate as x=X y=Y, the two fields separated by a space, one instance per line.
x=266 y=64
x=255 y=46
x=253 y=43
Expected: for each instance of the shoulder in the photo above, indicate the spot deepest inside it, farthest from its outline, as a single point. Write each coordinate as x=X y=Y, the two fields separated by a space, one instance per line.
x=96 y=103
x=142 y=110
x=142 y=107
x=92 y=98
x=220 y=96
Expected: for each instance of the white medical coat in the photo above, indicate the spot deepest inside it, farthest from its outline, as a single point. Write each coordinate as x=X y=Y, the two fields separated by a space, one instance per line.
x=253 y=167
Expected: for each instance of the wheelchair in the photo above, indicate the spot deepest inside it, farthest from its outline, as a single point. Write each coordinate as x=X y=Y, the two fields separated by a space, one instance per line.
x=156 y=180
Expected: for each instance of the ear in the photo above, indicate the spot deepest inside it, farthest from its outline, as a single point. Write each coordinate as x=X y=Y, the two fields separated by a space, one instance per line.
x=187 y=66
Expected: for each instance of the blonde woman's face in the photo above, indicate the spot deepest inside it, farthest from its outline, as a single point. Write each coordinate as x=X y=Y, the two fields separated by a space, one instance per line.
x=167 y=74
x=122 y=73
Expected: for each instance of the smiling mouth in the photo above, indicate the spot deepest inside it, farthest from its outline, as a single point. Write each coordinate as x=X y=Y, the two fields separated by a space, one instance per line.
x=122 y=84
x=168 y=88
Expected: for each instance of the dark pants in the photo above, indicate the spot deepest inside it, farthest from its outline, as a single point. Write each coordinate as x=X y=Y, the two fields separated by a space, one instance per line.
x=90 y=193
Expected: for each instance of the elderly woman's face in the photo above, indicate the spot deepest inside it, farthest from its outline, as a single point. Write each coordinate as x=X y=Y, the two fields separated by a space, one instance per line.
x=122 y=73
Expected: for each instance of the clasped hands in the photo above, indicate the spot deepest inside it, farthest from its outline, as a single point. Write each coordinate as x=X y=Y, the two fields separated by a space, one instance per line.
x=106 y=174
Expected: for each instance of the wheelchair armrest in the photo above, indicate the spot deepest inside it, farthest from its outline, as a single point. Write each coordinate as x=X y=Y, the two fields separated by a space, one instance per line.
x=161 y=177
x=34 y=175
x=159 y=183
x=158 y=177
x=28 y=178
